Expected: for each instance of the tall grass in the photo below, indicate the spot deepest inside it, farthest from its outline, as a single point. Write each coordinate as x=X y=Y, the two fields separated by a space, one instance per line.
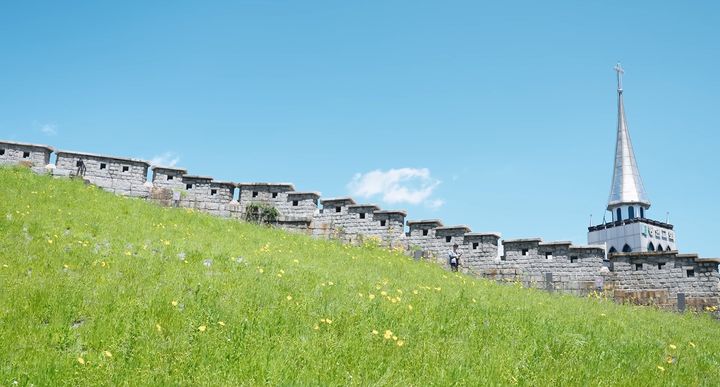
x=99 y=289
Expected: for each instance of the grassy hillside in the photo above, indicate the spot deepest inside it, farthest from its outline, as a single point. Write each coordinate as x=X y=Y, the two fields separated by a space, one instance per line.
x=99 y=289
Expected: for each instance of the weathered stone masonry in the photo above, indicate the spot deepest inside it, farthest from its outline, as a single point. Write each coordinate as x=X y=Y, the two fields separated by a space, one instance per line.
x=661 y=278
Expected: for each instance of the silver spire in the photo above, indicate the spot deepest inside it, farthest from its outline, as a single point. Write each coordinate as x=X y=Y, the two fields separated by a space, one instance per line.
x=627 y=186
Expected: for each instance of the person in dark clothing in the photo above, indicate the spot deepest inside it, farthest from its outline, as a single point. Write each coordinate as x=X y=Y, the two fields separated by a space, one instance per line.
x=454 y=258
x=80 y=168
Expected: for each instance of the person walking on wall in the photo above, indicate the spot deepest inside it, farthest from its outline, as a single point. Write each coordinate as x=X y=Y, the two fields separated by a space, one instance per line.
x=80 y=168
x=454 y=258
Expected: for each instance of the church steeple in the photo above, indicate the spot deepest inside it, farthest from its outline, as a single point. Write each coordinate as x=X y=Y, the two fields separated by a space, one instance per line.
x=627 y=186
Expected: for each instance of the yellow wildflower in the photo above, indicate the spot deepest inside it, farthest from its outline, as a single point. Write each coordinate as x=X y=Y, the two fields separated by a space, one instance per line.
x=388 y=334
x=316 y=327
x=395 y=338
x=296 y=261
x=692 y=344
x=672 y=346
x=221 y=323
x=410 y=307
x=327 y=320
x=202 y=328
x=331 y=283
x=374 y=332
x=400 y=343
x=474 y=301
x=107 y=353
x=360 y=294
x=158 y=327
x=166 y=243
x=415 y=292
x=662 y=369
x=279 y=275
x=289 y=297
x=260 y=270
x=66 y=266
x=174 y=303
x=81 y=360
x=371 y=296
x=383 y=293
x=378 y=287
x=50 y=241
x=128 y=253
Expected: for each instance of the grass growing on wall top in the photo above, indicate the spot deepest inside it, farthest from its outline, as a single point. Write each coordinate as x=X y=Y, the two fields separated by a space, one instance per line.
x=99 y=289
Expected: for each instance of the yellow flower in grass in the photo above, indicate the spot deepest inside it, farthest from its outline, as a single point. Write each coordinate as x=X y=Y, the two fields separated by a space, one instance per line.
x=388 y=334
x=692 y=344
x=383 y=293
x=128 y=253
x=158 y=327
x=202 y=328
x=107 y=353
x=174 y=303
x=371 y=296
x=400 y=343
x=166 y=243
x=316 y=327
x=50 y=241
x=374 y=332
x=296 y=261
x=410 y=307
x=289 y=297
x=661 y=368
x=415 y=292
x=221 y=323
x=81 y=360
x=672 y=346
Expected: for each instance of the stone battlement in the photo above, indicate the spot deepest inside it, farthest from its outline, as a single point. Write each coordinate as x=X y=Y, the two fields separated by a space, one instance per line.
x=664 y=278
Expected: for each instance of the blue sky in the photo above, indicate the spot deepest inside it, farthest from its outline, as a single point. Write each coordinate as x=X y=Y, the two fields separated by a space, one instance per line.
x=500 y=116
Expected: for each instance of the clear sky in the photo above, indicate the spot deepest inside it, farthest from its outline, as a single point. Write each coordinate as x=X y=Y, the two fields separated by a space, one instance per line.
x=498 y=115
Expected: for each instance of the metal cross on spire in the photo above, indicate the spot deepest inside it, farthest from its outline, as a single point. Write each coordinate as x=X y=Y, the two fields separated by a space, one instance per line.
x=620 y=72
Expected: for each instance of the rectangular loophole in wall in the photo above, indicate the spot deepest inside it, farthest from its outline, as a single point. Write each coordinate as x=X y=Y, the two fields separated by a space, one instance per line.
x=254 y=194
x=125 y=168
x=425 y=232
x=362 y=215
x=638 y=266
x=475 y=245
x=691 y=273
x=295 y=203
x=337 y=209
x=188 y=186
x=548 y=255
x=573 y=259
x=103 y=166
x=26 y=155
x=661 y=265
x=448 y=239
x=170 y=177
x=274 y=195
x=525 y=251
x=383 y=223
x=213 y=192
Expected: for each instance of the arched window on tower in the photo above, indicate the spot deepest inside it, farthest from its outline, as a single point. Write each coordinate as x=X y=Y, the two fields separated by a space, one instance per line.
x=642 y=212
x=660 y=248
x=612 y=250
x=631 y=212
x=627 y=249
x=667 y=248
x=619 y=215
x=651 y=247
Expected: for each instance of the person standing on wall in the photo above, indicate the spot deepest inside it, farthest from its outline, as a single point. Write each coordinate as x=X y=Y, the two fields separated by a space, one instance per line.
x=454 y=258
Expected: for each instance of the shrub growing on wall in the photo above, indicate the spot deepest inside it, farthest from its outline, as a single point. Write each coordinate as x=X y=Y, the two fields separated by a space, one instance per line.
x=261 y=213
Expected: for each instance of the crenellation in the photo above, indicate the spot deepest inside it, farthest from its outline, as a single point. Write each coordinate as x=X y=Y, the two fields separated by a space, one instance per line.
x=120 y=175
x=34 y=156
x=652 y=277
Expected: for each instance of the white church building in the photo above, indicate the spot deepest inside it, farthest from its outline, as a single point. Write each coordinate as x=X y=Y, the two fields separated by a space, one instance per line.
x=630 y=230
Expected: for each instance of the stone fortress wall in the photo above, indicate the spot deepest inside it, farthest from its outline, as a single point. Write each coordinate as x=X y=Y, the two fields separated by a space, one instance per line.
x=668 y=279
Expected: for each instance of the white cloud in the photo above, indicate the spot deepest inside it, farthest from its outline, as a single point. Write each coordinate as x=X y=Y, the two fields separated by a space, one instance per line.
x=167 y=159
x=49 y=129
x=403 y=185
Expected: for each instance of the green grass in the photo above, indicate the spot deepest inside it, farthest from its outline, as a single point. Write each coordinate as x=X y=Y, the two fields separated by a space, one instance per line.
x=83 y=272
